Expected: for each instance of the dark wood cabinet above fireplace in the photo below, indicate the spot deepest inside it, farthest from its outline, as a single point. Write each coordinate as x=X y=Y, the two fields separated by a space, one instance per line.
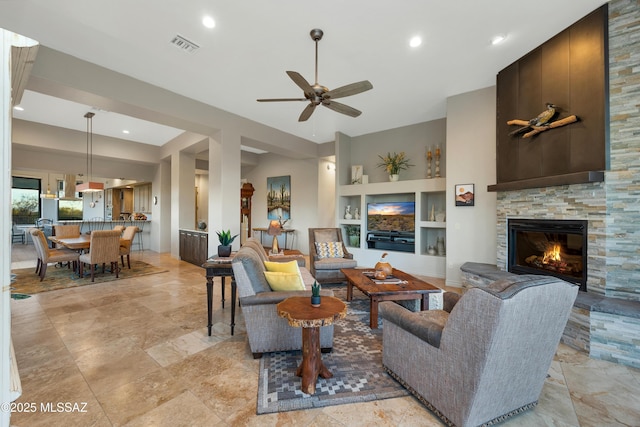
x=570 y=71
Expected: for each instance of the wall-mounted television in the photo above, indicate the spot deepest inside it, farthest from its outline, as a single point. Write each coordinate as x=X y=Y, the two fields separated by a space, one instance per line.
x=391 y=216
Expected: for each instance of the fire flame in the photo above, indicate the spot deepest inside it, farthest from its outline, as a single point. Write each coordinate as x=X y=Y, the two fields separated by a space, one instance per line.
x=552 y=255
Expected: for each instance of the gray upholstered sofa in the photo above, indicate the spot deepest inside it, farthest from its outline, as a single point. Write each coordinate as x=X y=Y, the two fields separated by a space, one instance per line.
x=487 y=357
x=267 y=331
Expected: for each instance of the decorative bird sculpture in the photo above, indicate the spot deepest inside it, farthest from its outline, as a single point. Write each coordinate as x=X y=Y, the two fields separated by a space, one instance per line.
x=541 y=119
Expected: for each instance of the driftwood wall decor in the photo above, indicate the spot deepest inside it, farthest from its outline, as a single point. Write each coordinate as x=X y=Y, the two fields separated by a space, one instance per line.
x=570 y=71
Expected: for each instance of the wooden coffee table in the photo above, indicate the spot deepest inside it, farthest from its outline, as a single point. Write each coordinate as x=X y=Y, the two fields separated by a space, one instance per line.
x=411 y=288
x=299 y=312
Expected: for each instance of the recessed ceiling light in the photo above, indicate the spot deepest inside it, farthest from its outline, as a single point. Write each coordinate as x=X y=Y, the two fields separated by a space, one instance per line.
x=208 y=22
x=18 y=108
x=498 y=39
x=415 y=41
x=125 y=131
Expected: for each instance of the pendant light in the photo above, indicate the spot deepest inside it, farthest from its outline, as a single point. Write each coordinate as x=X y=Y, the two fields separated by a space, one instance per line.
x=89 y=186
x=49 y=194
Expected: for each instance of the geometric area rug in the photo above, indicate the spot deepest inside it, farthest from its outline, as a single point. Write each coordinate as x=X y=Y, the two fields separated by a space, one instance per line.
x=26 y=282
x=355 y=362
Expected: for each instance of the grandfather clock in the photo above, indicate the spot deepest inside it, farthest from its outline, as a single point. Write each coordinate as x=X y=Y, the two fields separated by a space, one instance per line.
x=246 y=192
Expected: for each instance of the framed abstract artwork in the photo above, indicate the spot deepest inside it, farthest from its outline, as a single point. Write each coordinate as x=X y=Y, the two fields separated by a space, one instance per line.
x=465 y=195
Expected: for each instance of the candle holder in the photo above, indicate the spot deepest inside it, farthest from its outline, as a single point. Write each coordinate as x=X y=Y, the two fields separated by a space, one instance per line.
x=437 y=174
x=429 y=157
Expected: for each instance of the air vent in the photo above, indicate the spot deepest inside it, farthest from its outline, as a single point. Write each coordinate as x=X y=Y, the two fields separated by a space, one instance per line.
x=184 y=44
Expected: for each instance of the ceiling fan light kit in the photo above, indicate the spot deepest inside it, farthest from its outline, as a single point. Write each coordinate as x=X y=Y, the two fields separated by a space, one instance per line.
x=317 y=94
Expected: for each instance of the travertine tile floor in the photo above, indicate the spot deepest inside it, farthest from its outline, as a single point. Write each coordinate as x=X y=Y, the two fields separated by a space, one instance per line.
x=135 y=352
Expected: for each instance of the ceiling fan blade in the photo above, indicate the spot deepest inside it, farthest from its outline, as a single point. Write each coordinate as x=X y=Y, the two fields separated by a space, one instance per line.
x=306 y=113
x=302 y=83
x=341 y=108
x=348 y=90
x=281 y=99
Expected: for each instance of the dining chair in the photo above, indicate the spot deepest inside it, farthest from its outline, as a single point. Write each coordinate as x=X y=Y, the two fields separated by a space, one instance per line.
x=104 y=248
x=48 y=256
x=125 y=244
x=17 y=234
x=120 y=228
x=63 y=231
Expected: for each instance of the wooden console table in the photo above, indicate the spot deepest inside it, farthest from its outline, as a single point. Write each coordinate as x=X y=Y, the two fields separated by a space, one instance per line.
x=285 y=231
x=299 y=313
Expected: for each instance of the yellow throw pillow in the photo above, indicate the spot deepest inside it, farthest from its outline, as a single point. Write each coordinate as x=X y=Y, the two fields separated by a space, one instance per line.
x=280 y=281
x=283 y=267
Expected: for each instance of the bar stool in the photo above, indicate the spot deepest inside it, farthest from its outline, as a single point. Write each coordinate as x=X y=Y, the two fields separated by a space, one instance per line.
x=138 y=239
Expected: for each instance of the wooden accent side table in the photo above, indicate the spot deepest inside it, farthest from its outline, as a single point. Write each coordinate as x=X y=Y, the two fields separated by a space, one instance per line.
x=299 y=313
x=221 y=267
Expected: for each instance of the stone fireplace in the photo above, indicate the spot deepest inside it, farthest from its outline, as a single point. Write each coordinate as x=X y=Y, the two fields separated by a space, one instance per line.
x=605 y=321
x=549 y=247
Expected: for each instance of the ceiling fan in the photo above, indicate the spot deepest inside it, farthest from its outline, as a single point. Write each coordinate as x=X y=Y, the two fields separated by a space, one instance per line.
x=318 y=94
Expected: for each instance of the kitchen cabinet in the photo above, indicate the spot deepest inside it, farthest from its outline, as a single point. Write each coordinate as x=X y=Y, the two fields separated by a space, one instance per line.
x=142 y=198
x=194 y=246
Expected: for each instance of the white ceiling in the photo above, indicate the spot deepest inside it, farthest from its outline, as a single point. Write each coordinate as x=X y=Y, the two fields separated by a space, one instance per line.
x=254 y=42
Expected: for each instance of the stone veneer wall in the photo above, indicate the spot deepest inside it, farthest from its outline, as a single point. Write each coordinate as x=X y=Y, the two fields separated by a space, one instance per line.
x=612 y=208
x=623 y=177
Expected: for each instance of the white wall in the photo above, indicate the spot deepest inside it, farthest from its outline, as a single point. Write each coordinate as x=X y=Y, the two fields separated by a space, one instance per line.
x=305 y=197
x=202 y=198
x=471 y=159
x=326 y=192
x=413 y=140
x=5 y=220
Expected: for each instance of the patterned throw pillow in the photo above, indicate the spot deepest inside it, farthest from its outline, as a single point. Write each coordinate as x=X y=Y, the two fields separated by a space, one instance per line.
x=329 y=250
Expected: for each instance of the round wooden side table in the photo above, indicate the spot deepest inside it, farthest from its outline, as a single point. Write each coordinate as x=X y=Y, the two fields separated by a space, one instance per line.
x=300 y=314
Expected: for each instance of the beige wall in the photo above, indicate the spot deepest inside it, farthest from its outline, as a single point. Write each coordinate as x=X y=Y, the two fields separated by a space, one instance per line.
x=308 y=203
x=471 y=159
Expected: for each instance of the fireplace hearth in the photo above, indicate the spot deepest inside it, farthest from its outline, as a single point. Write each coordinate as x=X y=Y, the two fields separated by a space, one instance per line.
x=549 y=247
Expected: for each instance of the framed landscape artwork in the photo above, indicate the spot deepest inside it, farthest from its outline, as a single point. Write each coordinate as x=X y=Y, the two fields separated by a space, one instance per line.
x=279 y=197
x=465 y=195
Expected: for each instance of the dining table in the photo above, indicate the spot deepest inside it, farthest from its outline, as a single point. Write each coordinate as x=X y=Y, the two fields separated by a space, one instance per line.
x=79 y=243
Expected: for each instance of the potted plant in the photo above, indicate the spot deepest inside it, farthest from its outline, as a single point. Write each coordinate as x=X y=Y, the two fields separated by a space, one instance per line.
x=225 y=238
x=353 y=232
x=315 y=294
x=394 y=163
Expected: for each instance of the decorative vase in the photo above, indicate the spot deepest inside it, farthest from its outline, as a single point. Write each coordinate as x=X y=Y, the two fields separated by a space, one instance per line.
x=315 y=301
x=224 y=251
x=354 y=241
x=384 y=267
x=202 y=225
x=440 y=246
x=394 y=177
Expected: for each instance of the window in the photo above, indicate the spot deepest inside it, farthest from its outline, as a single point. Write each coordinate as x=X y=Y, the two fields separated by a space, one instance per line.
x=69 y=209
x=25 y=200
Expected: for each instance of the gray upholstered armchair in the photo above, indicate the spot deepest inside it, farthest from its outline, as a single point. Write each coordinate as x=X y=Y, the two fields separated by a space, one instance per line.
x=326 y=269
x=488 y=358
